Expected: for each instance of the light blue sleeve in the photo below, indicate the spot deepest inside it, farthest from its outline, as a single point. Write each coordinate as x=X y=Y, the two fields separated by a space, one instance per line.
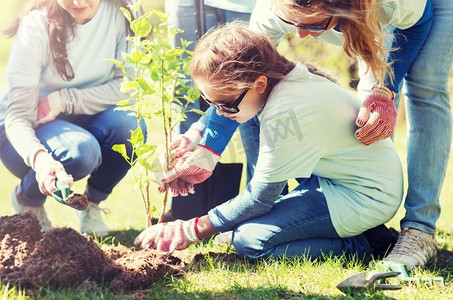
x=256 y=200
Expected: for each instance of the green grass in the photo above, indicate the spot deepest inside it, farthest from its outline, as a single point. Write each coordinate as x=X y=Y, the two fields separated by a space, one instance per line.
x=212 y=277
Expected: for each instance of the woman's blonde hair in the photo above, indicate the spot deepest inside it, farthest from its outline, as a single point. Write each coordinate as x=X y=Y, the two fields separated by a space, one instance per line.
x=231 y=57
x=359 y=23
x=59 y=23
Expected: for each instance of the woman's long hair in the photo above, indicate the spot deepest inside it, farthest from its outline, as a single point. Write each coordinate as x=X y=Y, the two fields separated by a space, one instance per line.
x=358 y=19
x=60 y=22
x=231 y=57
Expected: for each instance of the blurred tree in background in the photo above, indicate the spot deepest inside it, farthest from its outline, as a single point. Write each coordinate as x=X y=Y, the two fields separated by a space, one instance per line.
x=329 y=58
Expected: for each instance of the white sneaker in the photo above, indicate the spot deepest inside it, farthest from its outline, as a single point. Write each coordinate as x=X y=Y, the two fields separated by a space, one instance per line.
x=414 y=248
x=91 y=221
x=38 y=211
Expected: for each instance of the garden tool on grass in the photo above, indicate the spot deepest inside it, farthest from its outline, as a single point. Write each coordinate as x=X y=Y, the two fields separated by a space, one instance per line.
x=65 y=195
x=404 y=274
x=361 y=283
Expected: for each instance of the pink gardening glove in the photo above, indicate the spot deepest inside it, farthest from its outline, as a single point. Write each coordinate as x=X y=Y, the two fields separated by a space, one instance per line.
x=48 y=171
x=49 y=108
x=185 y=142
x=377 y=116
x=167 y=237
x=191 y=168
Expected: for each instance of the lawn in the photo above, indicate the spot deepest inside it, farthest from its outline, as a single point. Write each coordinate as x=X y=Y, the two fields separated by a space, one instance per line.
x=224 y=276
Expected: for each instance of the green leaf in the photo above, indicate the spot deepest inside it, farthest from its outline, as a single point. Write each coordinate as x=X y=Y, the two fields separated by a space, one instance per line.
x=123 y=102
x=200 y=112
x=137 y=137
x=144 y=85
x=193 y=93
x=145 y=60
x=145 y=164
x=121 y=149
x=161 y=15
x=132 y=85
x=141 y=27
x=146 y=150
x=174 y=31
x=155 y=75
x=136 y=56
x=126 y=13
x=127 y=58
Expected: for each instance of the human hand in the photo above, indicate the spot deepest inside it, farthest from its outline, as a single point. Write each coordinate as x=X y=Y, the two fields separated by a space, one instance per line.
x=167 y=237
x=48 y=171
x=191 y=168
x=377 y=116
x=49 y=108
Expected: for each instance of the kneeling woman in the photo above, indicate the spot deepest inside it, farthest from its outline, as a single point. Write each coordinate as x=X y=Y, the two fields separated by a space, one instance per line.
x=346 y=190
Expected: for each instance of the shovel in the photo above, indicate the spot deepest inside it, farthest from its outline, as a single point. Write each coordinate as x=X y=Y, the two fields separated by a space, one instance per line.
x=360 y=282
x=65 y=195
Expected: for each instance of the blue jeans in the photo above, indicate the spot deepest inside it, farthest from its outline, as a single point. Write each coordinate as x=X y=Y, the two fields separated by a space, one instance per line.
x=298 y=224
x=429 y=121
x=429 y=118
x=182 y=16
x=83 y=144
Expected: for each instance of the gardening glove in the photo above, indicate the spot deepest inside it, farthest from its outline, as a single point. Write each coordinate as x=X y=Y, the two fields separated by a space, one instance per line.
x=192 y=168
x=49 y=108
x=377 y=116
x=180 y=187
x=167 y=237
x=182 y=144
x=48 y=171
x=185 y=142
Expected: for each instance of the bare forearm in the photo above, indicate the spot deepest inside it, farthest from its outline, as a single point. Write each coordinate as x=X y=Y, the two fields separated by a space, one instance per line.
x=205 y=228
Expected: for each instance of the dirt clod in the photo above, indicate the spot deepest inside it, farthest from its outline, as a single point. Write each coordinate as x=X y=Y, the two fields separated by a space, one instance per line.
x=61 y=257
x=77 y=201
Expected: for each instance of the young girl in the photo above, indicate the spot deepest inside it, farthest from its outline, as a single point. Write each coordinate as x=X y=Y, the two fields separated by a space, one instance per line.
x=57 y=118
x=346 y=190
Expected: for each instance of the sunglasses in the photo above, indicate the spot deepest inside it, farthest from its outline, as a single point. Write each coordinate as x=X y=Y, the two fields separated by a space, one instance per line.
x=311 y=27
x=229 y=108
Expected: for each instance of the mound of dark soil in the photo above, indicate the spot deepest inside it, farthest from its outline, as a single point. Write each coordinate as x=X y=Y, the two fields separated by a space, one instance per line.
x=61 y=257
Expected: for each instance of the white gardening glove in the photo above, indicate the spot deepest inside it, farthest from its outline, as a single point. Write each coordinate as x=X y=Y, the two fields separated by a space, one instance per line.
x=185 y=142
x=180 y=146
x=167 y=237
x=48 y=171
x=49 y=108
x=191 y=168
